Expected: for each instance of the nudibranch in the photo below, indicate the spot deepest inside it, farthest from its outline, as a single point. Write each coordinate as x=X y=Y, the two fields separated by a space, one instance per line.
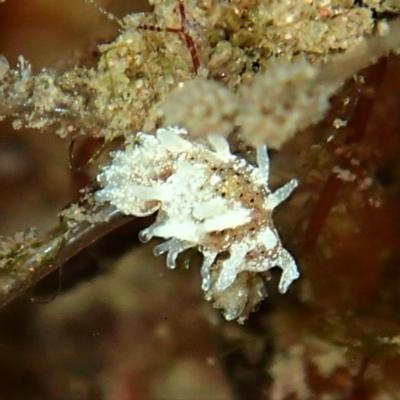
x=209 y=199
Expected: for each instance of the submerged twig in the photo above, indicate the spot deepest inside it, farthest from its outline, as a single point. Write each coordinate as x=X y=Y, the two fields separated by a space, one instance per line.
x=23 y=265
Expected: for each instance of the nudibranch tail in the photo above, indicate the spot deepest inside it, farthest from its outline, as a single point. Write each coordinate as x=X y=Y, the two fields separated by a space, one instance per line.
x=209 y=199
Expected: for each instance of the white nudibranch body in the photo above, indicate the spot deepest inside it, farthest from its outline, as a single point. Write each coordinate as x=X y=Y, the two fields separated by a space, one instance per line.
x=206 y=198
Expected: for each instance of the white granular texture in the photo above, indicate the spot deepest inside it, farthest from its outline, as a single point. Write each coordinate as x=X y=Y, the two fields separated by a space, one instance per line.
x=204 y=107
x=209 y=199
x=278 y=104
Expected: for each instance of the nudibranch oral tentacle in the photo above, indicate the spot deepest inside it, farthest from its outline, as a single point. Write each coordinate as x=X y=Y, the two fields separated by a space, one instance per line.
x=209 y=199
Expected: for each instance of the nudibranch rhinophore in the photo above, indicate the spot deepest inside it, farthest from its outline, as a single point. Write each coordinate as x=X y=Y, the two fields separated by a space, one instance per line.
x=209 y=199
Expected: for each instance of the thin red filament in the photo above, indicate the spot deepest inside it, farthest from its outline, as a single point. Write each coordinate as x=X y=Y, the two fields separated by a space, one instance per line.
x=190 y=43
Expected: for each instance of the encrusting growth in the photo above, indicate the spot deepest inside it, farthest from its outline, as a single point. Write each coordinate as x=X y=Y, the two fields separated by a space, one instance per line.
x=236 y=51
x=286 y=99
x=209 y=199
